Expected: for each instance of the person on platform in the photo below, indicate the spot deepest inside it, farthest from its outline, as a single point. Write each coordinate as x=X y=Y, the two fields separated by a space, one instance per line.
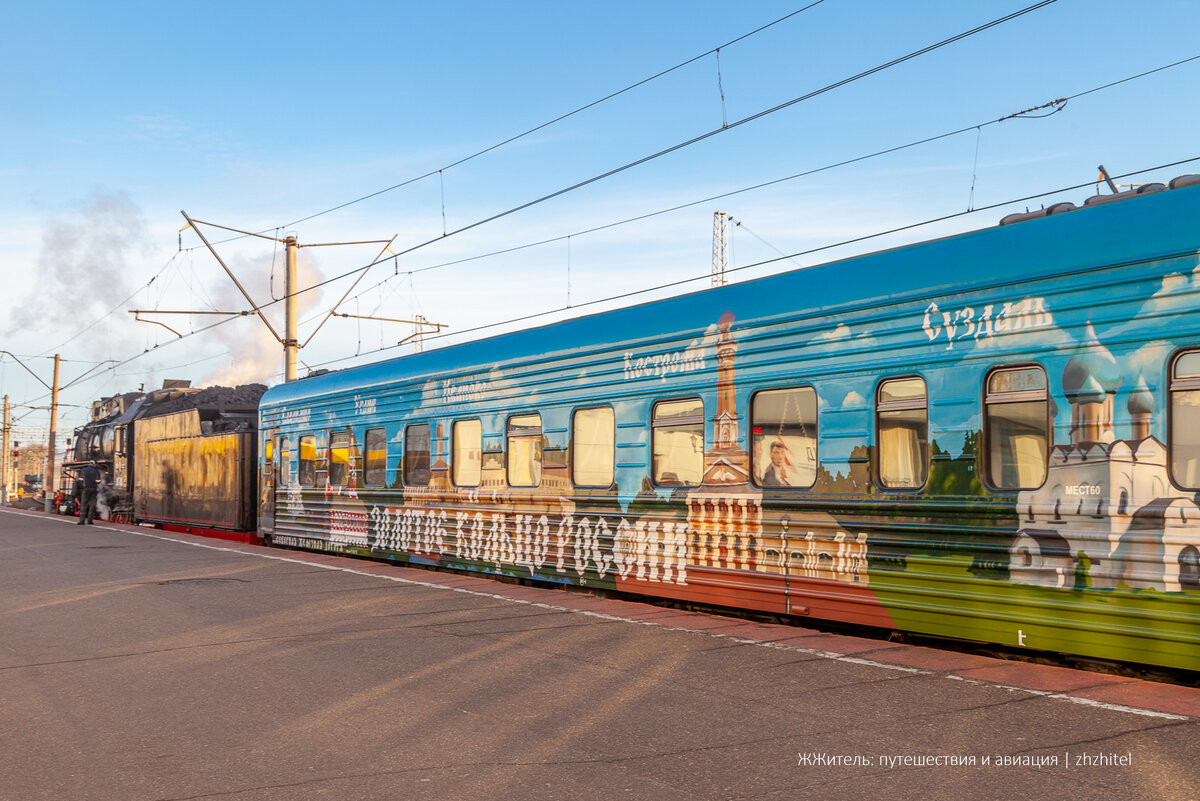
x=90 y=477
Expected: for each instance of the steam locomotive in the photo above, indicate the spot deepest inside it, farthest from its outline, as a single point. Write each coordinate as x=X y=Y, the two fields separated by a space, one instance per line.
x=180 y=457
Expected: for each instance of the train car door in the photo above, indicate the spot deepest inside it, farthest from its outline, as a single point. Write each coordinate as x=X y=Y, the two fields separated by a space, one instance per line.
x=268 y=480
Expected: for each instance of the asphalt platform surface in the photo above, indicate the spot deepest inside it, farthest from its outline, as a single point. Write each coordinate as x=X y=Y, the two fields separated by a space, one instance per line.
x=136 y=664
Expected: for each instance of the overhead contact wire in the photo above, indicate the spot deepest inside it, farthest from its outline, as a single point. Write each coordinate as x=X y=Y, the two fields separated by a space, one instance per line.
x=703 y=277
x=561 y=117
x=693 y=140
x=842 y=243
x=1058 y=105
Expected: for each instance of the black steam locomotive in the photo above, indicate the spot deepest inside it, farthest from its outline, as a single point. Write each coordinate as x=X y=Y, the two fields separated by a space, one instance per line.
x=180 y=457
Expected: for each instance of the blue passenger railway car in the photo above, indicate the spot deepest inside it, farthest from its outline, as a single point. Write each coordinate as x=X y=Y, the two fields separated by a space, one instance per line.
x=993 y=437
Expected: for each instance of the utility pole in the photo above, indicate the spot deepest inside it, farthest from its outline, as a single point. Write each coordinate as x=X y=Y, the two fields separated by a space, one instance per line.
x=720 y=249
x=290 y=342
x=7 y=459
x=48 y=476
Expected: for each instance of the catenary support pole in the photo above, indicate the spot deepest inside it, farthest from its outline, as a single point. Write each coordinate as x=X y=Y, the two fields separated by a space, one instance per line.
x=290 y=343
x=7 y=459
x=48 y=477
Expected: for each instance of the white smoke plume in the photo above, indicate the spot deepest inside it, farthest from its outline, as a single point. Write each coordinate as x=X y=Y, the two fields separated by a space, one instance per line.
x=83 y=273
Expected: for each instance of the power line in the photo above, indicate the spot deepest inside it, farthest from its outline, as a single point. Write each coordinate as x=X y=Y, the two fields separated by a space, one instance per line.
x=664 y=211
x=201 y=330
x=1057 y=105
x=113 y=311
x=679 y=146
x=177 y=366
x=694 y=140
x=1139 y=75
x=732 y=125
x=557 y=119
x=706 y=276
x=539 y=127
x=188 y=335
x=688 y=143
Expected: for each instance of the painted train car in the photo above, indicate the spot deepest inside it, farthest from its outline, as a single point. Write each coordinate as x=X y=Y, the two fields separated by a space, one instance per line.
x=993 y=437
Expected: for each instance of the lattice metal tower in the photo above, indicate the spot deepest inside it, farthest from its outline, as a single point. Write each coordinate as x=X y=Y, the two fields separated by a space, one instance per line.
x=418 y=336
x=720 y=249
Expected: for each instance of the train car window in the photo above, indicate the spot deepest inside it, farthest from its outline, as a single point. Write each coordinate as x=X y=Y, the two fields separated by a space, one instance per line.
x=356 y=461
x=525 y=450
x=783 y=429
x=677 y=443
x=339 y=457
x=1185 y=420
x=1017 y=427
x=308 y=460
x=902 y=415
x=375 y=473
x=467 y=452
x=593 y=447
x=285 y=462
x=416 y=455
x=268 y=479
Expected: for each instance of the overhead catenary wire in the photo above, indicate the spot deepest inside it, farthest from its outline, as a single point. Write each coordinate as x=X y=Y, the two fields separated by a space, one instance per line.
x=685 y=281
x=584 y=107
x=1095 y=89
x=694 y=140
x=681 y=145
x=701 y=137
x=540 y=126
x=706 y=276
x=1057 y=104
x=114 y=309
x=1135 y=77
x=737 y=269
x=561 y=117
x=745 y=120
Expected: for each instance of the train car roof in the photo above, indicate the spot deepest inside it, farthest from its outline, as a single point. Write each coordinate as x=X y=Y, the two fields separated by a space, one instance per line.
x=1149 y=226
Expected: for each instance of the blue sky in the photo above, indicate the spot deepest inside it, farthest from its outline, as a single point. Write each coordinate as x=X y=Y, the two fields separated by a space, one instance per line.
x=255 y=115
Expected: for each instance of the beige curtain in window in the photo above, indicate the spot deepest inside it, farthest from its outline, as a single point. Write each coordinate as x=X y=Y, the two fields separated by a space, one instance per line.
x=1185 y=438
x=1031 y=459
x=525 y=461
x=899 y=456
x=594 y=443
x=679 y=455
x=467 y=459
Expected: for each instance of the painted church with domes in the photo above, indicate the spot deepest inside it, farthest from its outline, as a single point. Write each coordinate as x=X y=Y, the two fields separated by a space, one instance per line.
x=1107 y=515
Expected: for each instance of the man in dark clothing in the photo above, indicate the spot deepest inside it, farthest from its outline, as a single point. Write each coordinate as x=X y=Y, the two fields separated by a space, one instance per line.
x=87 y=501
x=776 y=474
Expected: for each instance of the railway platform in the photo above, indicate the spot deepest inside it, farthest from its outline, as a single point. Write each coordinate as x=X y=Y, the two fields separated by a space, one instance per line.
x=141 y=664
